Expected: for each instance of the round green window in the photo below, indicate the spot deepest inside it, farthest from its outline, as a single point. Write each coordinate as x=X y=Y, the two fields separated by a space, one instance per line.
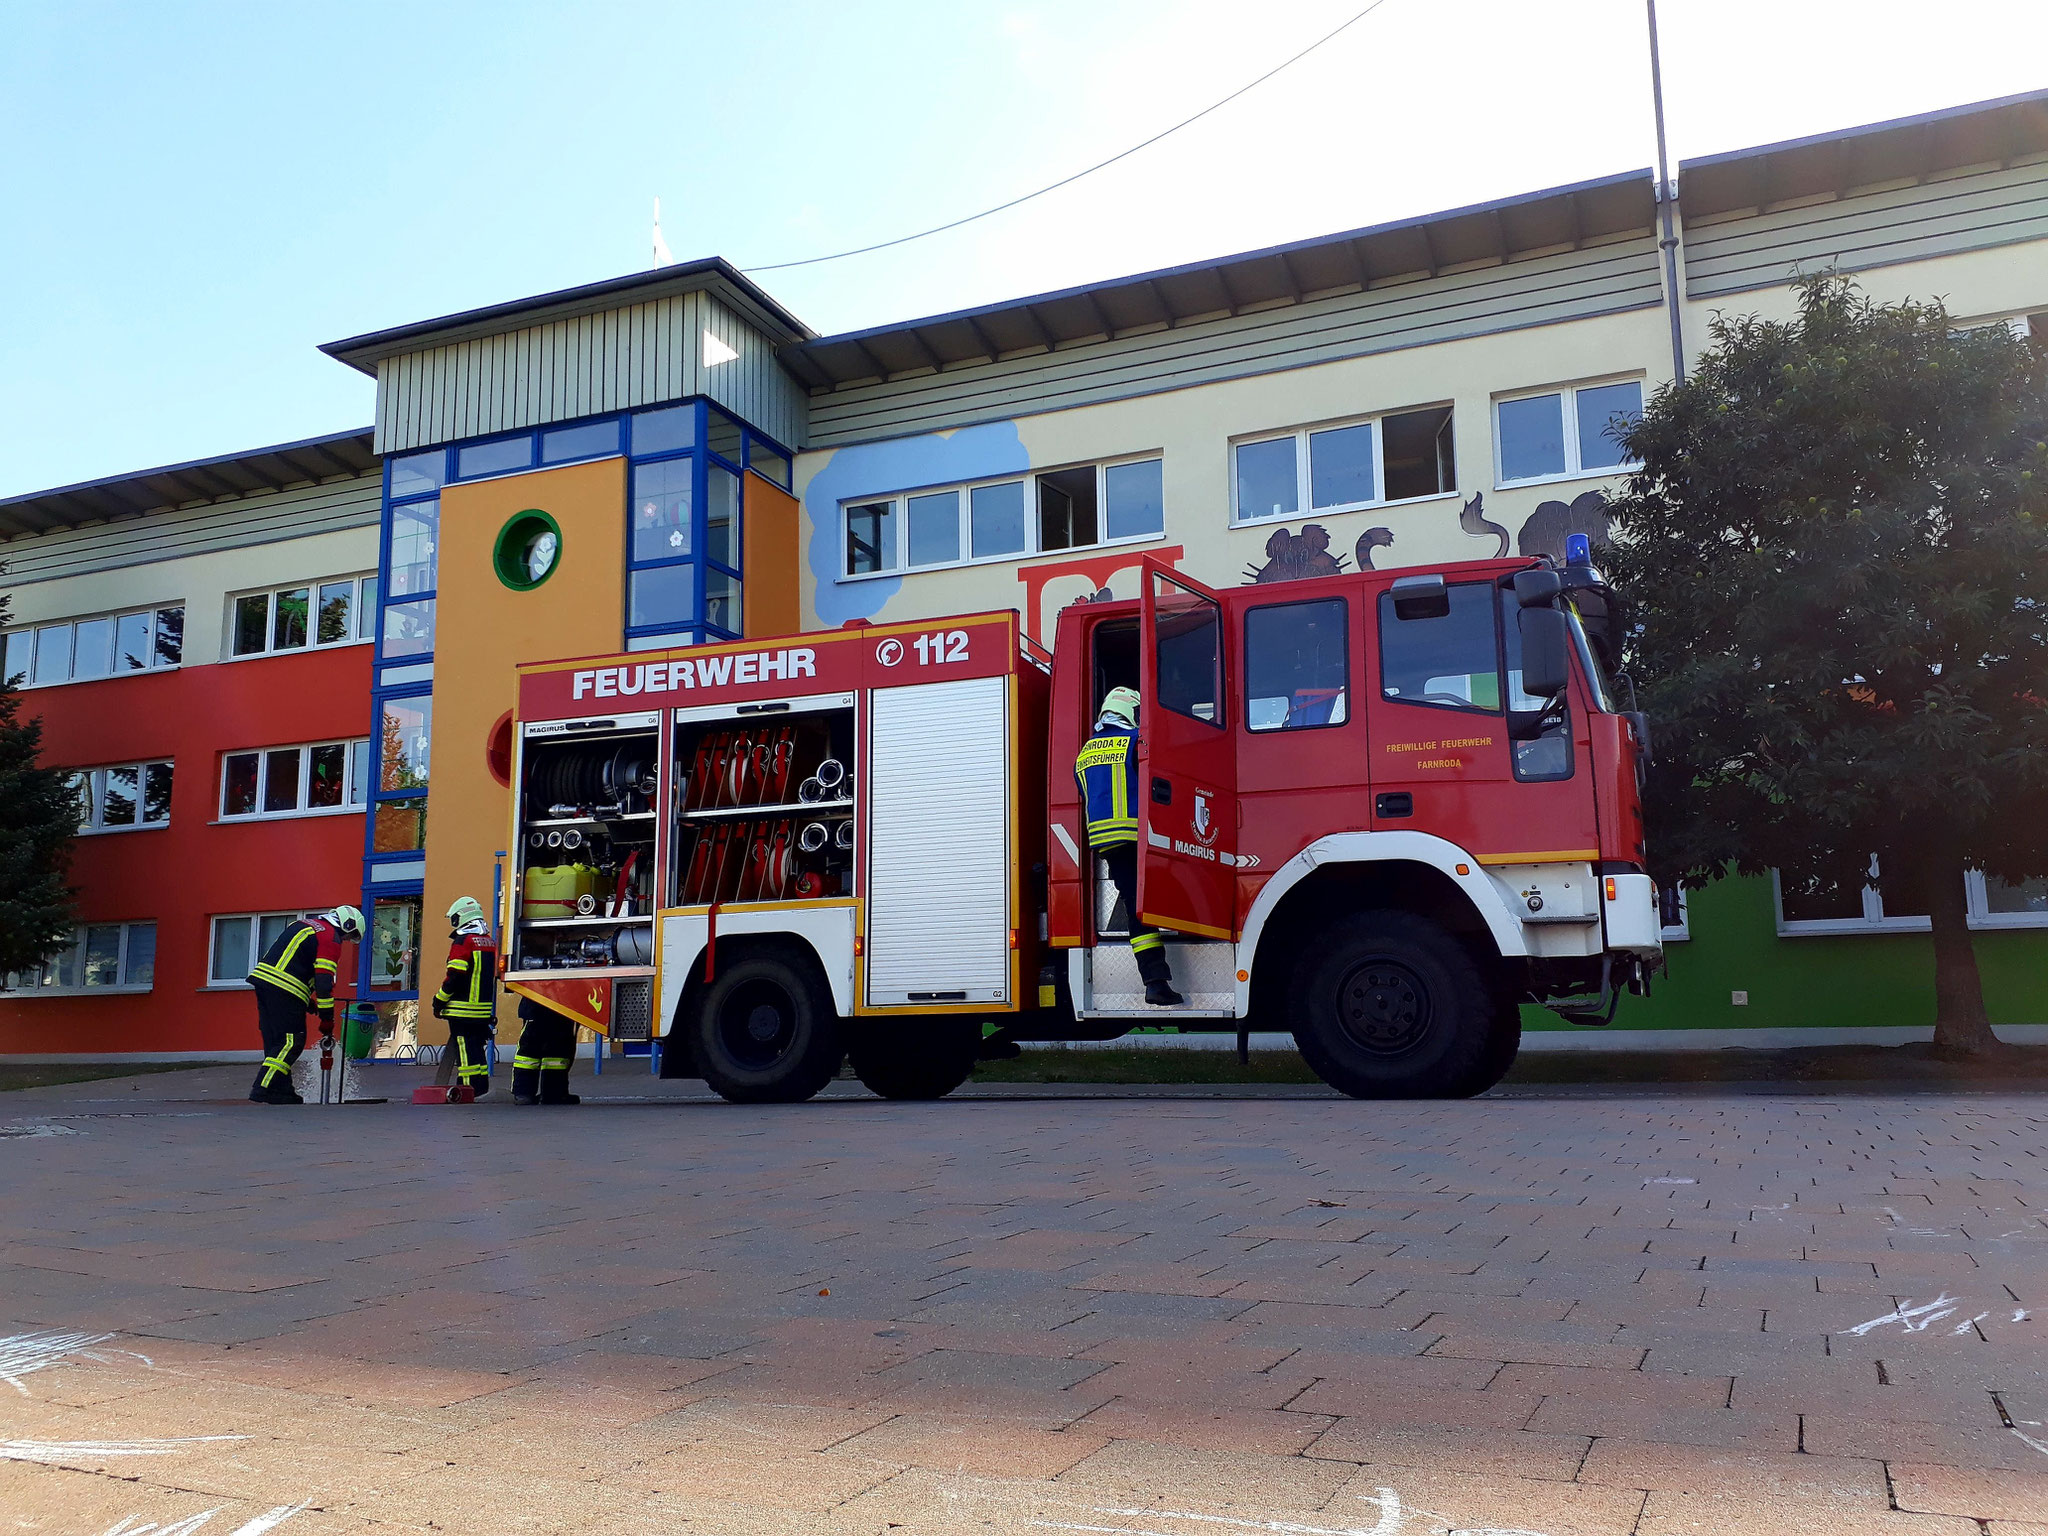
x=528 y=550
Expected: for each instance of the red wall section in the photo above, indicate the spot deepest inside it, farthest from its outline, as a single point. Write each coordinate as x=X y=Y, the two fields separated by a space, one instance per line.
x=185 y=873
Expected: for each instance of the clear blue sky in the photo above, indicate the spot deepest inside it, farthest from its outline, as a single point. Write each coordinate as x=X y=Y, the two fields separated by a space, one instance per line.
x=197 y=194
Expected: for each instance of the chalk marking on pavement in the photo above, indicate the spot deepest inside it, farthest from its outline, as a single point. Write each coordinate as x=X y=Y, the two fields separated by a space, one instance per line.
x=22 y=1131
x=1970 y=1325
x=55 y=1452
x=258 y=1525
x=23 y=1354
x=1906 y=1315
x=2020 y=1316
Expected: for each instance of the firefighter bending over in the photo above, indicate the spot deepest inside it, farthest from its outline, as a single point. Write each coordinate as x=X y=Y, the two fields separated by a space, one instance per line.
x=468 y=998
x=296 y=977
x=547 y=1043
x=1107 y=770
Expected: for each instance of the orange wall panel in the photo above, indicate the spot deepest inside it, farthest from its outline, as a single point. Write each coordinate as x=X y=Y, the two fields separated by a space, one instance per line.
x=769 y=560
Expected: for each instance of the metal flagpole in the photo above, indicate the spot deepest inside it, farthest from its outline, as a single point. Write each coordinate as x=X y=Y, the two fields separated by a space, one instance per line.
x=1667 y=194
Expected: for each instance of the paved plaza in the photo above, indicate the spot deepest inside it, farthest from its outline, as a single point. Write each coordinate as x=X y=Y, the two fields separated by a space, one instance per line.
x=1570 y=1313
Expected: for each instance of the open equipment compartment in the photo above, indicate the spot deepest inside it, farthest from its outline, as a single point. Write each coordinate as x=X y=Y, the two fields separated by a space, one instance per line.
x=764 y=801
x=583 y=884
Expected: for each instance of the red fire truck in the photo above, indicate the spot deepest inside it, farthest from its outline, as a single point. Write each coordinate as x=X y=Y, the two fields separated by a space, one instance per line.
x=1379 y=810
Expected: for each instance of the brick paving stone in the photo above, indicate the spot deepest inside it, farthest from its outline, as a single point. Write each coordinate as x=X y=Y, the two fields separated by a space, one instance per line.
x=1041 y=1312
x=1979 y=1493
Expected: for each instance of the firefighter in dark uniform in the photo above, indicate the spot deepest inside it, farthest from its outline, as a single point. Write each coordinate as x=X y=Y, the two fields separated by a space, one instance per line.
x=1107 y=770
x=547 y=1044
x=468 y=998
x=296 y=977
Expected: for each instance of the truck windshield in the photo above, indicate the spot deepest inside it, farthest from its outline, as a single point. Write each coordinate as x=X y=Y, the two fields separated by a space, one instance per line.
x=1596 y=675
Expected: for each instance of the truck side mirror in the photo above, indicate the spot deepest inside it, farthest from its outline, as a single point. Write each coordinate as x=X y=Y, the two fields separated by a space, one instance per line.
x=1537 y=588
x=1545 y=643
x=1421 y=597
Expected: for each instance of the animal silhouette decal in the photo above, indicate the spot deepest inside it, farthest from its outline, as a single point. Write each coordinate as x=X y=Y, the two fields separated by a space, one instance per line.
x=1472 y=518
x=1370 y=540
x=1553 y=522
x=1297 y=556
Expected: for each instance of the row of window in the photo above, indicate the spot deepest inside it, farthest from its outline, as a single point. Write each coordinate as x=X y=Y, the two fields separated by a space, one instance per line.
x=305 y=617
x=1002 y=519
x=308 y=616
x=276 y=781
x=102 y=957
x=1339 y=466
x=107 y=646
x=1852 y=900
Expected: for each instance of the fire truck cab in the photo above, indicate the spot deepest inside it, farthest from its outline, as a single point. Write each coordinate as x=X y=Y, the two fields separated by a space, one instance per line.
x=1378 y=811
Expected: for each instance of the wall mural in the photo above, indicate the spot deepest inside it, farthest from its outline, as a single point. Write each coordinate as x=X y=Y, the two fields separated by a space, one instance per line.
x=1297 y=556
x=1553 y=522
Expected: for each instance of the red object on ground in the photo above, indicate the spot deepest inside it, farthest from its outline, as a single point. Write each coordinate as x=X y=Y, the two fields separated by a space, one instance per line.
x=432 y=1095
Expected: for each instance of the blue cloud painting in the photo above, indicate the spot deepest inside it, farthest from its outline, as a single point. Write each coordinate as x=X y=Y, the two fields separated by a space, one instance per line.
x=882 y=469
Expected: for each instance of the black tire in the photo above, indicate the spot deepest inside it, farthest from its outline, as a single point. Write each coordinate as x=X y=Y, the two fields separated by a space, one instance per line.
x=1387 y=1005
x=913 y=1058
x=766 y=1032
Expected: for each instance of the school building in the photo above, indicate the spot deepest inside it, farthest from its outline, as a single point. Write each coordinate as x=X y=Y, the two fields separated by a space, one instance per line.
x=284 y=677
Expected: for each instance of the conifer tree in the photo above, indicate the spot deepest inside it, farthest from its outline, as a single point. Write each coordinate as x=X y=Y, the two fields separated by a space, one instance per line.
x=38 y=818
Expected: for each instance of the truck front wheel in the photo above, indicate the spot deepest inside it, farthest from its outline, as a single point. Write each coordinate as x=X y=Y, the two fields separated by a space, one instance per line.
x=1387 y=1005
x=912 y=1058
x=766 y=1032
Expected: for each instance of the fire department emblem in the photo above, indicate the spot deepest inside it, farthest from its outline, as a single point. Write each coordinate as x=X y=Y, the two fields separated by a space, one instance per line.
x=889 y=652
x=1205 y=823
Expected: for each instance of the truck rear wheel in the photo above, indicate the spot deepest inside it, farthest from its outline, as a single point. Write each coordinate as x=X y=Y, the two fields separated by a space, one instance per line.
x=1387 y=1005
x=911 y=1058
x=766 y=1032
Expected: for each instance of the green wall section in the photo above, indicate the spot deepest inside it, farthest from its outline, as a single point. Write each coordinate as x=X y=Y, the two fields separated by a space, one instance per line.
x=1797 y=983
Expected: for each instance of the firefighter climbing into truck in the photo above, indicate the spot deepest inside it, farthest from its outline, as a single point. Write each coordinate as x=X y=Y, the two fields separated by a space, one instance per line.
x=1382 y=811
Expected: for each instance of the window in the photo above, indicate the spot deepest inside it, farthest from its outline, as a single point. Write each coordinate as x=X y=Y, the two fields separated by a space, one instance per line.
x=239 y=942
x=1366 y=463
x=1297 y=671
x=1843 y=898
x=1996 y=903
x=1077 y=508
x=408 y=627
x=1449 y=660
x=1188 y=650
x=125 y=798
x=82 y=650
x=395 y=944
x=102 y=957
x=1564 y=432
x=494 y=458
x=407 y=736
x=296 y=618
x=294 y=781
x=593 y=440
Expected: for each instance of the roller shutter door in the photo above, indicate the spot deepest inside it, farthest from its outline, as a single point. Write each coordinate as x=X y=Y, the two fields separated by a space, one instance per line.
x=938 y=840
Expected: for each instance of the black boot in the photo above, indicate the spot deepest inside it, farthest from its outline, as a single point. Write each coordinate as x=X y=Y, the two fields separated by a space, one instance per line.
x=554 y=1086
x=1160 y=994
x=525 y=1080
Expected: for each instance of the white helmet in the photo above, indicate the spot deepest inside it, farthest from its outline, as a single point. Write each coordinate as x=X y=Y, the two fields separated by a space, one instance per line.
x=464 y=910
x=1120 y=704
x=348 y=921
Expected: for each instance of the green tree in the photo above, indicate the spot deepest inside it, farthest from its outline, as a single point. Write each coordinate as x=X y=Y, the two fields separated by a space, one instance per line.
x=38 y=818
x=1837 y=549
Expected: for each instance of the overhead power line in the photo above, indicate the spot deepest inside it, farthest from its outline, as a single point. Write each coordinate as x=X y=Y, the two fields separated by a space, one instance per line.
x=1067 y=181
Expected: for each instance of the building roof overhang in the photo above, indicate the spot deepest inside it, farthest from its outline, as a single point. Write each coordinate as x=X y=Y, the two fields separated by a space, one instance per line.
x=197 y=482
x=1558 y=218
x=711 y=274
x=1905 y=149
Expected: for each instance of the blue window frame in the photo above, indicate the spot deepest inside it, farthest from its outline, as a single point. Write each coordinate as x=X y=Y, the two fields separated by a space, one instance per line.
x=684 y=580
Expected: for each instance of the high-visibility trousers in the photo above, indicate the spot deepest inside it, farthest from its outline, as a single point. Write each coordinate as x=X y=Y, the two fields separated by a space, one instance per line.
x=468 y=1043
x=1147 y=946
x=540 y=1069
x=282 y=1019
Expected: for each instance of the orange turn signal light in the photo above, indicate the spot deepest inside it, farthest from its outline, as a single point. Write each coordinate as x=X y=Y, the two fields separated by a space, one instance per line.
x=1610 y=887
x=1464 y=869
x=1244 y=975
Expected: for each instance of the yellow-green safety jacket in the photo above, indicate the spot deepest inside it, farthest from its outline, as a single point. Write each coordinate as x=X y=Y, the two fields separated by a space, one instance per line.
x=1107 y=771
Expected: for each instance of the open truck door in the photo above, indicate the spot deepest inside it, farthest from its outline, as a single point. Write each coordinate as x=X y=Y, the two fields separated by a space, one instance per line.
x=1187 y=761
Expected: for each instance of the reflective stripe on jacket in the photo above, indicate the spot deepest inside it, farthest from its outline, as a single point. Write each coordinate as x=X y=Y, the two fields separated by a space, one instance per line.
x=302 y=961
x=470 y=990
x=1107 y=771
